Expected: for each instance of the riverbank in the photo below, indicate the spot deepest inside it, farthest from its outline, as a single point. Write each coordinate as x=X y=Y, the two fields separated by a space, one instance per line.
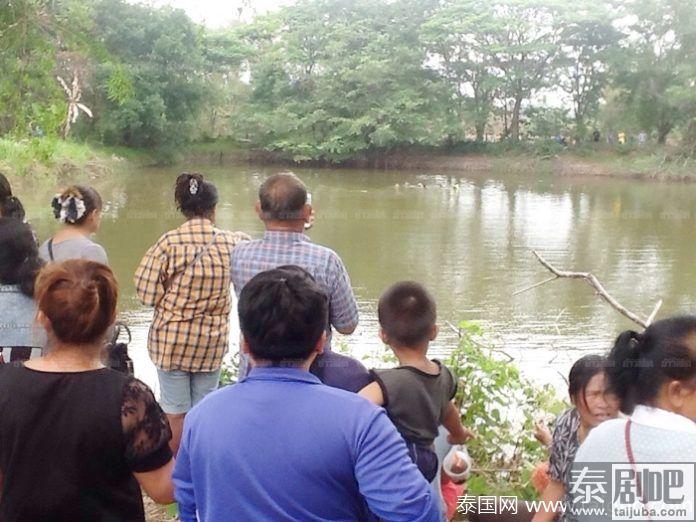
x=639 y=165
x=55 y=157
x=50 y=156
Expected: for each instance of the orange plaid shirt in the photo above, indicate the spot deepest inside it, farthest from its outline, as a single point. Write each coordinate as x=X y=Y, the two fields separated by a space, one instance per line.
x=190 y=328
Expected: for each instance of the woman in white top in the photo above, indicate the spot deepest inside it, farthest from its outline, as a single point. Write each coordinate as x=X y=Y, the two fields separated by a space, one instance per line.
x=78 y=208
x=654 y=375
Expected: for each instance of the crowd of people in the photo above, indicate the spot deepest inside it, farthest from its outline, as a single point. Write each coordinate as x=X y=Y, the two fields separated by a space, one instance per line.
x=306 y=433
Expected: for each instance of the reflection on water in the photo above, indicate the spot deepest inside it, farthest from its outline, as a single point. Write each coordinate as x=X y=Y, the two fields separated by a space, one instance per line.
x=468 y=239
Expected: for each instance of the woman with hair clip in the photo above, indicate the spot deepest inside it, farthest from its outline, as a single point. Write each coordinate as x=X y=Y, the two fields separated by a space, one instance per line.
x=10 y=206
x=20 y=336
x=78 y=440
x=78 y=208
x=654 y=376
x=185 y=275
x=593 y=404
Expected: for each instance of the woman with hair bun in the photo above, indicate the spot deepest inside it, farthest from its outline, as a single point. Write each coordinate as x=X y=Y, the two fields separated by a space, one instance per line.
x=78 y=439
x=78 y=208
x=10 y=206
x=20 y=336
x=185 y=275
x=654 y=375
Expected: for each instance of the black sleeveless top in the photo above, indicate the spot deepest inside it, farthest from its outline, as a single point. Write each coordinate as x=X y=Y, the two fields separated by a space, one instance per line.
x=70 y=442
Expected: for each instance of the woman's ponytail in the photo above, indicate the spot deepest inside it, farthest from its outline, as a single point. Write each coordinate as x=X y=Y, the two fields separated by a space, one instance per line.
x=624 y=367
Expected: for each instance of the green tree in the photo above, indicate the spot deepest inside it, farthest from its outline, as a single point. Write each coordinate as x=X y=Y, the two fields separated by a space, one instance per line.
x=682 y=92
x=334 y=80
x=151 y=90
x=223 y=55
x=32 y=32
x=521 y=39
x=589 y=39
x=547 y=122
x=647 y=70
x=454 y=38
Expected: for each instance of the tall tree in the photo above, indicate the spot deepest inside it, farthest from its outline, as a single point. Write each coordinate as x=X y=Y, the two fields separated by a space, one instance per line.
x=588 y=39
x=522 y=41
x=335 y=80
x=453 y=36
x=32 y=34
x=161 y=50
x=648 y=67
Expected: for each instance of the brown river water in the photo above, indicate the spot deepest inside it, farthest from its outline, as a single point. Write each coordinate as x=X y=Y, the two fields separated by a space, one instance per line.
x=467 y=237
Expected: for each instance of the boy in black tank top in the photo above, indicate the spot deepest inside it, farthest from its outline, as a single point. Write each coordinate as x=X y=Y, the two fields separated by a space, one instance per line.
x=418 y=393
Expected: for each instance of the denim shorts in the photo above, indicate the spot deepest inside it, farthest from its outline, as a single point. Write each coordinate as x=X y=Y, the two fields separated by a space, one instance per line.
x=180 y=391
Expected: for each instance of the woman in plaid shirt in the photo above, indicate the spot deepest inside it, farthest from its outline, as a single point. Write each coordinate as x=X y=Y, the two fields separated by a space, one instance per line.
x=186 y=277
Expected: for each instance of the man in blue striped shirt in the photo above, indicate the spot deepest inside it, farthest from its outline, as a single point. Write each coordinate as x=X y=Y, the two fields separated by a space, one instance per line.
x=284 y=209
x=281 y=446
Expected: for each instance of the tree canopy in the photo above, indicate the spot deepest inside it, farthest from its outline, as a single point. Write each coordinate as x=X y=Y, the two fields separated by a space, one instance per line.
x=335 y=80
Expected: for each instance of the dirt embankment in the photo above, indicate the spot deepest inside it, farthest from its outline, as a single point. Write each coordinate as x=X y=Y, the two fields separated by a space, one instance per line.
x=561 y=165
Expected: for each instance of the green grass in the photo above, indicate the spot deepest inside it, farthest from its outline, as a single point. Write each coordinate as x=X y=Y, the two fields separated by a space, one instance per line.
x=49 y=155
x=663 y=163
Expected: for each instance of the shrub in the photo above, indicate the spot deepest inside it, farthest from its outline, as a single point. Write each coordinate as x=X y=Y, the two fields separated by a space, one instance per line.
x=500 y=405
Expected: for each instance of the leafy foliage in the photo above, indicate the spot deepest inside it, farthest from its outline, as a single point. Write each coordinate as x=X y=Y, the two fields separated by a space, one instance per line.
x=333 y=80
x=501 y=406
x=151 y=89
x=340 y=80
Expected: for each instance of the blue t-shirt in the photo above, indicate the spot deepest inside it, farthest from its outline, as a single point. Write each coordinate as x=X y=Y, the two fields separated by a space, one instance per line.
x=281 y=446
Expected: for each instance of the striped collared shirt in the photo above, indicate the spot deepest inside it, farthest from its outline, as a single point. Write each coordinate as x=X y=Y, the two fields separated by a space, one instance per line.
x=191 y=295
x=278 y=248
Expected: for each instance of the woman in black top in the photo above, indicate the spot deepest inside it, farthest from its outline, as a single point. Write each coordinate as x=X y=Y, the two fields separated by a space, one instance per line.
x=76 y=438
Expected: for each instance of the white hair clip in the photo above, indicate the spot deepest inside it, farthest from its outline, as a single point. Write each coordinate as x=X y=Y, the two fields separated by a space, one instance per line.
x=193 y=186
x=71 y=215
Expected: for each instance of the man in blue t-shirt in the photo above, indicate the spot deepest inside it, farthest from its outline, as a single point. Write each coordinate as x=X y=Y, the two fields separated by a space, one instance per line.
x=280 y=445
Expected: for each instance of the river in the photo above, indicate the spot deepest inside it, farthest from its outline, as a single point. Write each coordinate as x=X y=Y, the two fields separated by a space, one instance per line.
x=467 y=237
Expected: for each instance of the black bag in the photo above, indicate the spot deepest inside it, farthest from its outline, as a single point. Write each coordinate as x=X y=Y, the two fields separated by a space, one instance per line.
x=117 y=352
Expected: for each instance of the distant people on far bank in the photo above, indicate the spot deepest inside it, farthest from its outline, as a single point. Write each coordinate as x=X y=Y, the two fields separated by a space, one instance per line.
x=78 y=440
x=285 y=210
x=10 y=206
x=593 y=403
x=279 y=445
x=79 y=210
x=185 y=276
x=20 y=335
x=654 y=375
x=418 y=394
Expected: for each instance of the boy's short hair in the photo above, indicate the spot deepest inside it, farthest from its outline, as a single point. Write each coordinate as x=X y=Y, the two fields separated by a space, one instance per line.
x=283 y=313
x=407 y=313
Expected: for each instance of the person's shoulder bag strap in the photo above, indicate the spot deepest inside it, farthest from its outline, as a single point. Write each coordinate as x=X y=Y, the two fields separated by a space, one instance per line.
x=50 y=249
x=632 y=462
x=200 y=254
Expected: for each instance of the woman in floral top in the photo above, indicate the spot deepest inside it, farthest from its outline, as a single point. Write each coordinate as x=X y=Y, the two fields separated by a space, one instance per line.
x=592 y=404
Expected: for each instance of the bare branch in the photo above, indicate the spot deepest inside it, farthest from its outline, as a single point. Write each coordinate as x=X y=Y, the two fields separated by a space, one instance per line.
x=454 y=329
x=565 y=379
x=652 y=315
x=601 y=291
x=527 y=288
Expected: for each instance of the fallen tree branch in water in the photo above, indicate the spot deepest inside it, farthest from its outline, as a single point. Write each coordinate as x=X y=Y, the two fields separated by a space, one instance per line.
x=599 y=289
